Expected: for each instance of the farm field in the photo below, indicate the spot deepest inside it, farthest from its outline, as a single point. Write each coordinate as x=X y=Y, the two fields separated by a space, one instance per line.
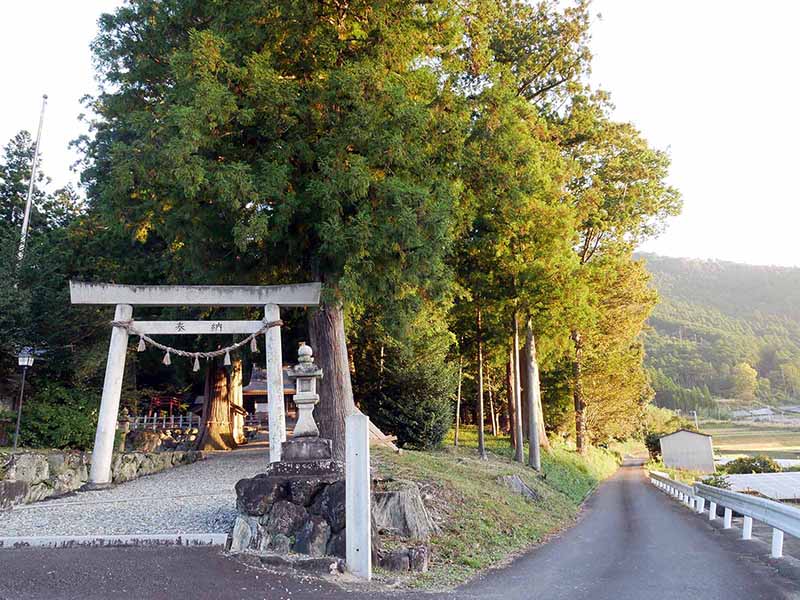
x=740 y=439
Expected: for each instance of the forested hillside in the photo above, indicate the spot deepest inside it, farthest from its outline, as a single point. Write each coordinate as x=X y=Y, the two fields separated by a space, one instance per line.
x=723 y=330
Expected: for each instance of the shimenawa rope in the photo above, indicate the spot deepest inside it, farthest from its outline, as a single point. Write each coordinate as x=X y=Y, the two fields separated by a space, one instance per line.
x=143 y=337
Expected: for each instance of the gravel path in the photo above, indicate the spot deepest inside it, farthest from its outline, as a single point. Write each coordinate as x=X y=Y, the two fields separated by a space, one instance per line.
x=196 y=498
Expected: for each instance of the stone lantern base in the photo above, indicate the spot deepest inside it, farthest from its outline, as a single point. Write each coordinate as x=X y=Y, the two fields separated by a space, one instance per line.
x=304 y=449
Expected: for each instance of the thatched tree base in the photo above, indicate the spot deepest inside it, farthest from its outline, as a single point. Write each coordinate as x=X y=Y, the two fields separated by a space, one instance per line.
x=217 y=432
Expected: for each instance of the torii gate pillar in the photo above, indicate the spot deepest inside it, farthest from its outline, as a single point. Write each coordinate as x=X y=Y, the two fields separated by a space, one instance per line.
x=277 y=416
x=100 y=474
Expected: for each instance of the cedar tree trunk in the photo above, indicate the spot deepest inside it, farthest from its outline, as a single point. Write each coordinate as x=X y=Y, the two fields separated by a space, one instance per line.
x=328 y=340
x=481 y=417
x=458 y=400
x=518 y=447
x=492 y=411
x=217 y=431
x=577 y=393
x=531 y=391
x=512 y=419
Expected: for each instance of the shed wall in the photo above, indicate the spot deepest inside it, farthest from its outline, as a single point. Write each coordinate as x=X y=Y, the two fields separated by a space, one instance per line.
x=686 y=450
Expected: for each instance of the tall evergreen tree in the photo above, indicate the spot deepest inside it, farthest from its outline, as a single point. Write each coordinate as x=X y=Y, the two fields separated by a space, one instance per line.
x=284 y=142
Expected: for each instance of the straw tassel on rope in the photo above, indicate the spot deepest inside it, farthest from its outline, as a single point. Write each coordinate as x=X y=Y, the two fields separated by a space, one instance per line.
x=167 y=360
x=196 y=366
x=253 y=345
x=142 y=347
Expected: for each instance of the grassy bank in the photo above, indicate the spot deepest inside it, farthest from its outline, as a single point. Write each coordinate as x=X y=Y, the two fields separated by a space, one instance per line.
x=482 y=522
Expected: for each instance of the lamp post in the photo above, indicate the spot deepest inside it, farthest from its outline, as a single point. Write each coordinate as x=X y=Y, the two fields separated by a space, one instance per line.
x=25 y=360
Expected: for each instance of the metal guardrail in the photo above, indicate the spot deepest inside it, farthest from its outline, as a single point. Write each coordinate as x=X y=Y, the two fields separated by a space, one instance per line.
x=684 y=493
x=781 y=517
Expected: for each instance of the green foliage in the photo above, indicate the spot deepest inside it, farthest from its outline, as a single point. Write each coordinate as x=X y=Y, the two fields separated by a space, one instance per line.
x=415 y=401
x=717 y=480
x=744 y=380
x=663 y=420
x=59 y=417
x=752 y=464
x=652 y=441
x=282 y=141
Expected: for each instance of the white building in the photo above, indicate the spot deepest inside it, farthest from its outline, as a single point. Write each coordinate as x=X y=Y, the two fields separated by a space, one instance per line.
x=688 y=450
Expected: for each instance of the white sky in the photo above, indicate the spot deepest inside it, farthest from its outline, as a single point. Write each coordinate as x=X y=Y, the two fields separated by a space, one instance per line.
x=714 y=81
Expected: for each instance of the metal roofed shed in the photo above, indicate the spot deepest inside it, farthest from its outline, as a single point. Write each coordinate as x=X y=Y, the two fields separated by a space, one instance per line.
x=689 y=450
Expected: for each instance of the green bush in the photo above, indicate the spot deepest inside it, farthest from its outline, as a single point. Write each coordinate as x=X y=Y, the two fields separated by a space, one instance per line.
x=752 y=464
x=414 y=402
x=717 y=480
x=653 y=442
x=59 y=417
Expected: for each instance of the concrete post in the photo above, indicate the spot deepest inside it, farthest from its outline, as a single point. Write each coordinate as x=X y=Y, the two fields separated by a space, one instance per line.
x=357 y=496
x=726 y=522
x=100 y=475
x=777 y=543
x=712 y=511
x=277 y=416
x=701 y=505
x=747 y=528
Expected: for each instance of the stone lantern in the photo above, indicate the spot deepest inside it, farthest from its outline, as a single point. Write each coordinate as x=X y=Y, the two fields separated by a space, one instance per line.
x=305 y=443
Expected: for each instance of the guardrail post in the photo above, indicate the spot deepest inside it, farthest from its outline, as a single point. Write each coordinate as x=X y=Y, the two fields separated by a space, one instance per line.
x=726 y=522
x=712 y=511
x=747 y=528
x=777 y=543
x=701 y=504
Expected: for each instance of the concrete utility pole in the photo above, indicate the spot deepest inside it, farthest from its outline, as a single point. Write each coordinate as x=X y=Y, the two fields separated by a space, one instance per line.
x=29 y=200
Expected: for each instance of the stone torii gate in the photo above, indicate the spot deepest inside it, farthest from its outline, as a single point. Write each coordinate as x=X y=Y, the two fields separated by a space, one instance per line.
x=125 y=297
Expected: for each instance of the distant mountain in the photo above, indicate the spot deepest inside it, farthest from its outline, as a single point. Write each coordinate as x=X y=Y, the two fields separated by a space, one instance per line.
x=717 y=319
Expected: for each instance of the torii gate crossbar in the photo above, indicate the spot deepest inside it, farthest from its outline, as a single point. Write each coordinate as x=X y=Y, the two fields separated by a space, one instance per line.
x=125 y=297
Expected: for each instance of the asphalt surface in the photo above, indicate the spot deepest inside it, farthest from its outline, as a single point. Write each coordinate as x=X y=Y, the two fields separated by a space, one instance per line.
x=632 y=542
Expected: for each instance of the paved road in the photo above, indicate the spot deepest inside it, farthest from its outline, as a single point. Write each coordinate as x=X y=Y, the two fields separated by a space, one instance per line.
x=636 y=543
x=632 y=543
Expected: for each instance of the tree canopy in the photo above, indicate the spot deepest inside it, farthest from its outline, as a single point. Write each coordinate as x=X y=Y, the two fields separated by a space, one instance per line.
x=429 y=162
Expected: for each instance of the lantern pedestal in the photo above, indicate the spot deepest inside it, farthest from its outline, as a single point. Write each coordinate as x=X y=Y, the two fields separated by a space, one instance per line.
x=304 y=449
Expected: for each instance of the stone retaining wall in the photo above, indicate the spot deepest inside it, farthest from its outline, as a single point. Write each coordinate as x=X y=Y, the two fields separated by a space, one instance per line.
x=28 y=477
